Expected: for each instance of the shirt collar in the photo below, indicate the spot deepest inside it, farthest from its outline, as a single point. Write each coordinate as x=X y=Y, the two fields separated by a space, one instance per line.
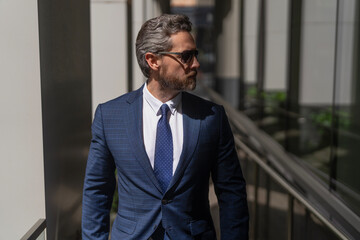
x=155 y=103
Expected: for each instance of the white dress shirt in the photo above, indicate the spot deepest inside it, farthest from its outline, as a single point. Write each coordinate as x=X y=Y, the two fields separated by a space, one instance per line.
x=151 y=116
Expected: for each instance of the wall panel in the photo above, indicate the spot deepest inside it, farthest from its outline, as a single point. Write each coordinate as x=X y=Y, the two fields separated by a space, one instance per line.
x=66 y=101
x=22 y=200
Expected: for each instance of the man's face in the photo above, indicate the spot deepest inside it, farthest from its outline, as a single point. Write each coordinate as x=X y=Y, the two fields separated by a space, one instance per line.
x=174 y=74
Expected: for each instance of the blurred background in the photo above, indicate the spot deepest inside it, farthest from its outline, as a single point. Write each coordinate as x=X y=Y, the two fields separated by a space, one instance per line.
x=286 y=71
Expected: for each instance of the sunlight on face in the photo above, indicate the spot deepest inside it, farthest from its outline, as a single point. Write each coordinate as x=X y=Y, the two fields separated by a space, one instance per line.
x=174 y=74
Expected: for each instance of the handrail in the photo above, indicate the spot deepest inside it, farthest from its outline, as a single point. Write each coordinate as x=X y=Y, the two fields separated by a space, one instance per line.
x=312 y=193
x=291 y=190
x=35 y=231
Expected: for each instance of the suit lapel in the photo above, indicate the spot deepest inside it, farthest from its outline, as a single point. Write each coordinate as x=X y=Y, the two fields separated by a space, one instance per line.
x=135 y=135
x=191 y=126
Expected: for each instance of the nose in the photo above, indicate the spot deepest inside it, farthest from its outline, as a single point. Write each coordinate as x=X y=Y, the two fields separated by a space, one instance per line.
x=195 y=63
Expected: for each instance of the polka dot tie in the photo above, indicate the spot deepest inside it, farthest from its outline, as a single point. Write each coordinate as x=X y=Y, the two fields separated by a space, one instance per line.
x=163 y=163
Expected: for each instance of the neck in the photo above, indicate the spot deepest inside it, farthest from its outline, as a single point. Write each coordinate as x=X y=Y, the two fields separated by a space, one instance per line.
x=159 y=92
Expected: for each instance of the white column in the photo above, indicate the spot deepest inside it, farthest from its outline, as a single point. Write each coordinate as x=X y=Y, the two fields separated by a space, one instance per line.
x=138 y=18
x=22 y=200
x=345 y=89
x=276 y=45
x=152 y=9
x=109 y=63
x=250 y=39
x=318 y=51
x=227 y=62
x=142 y=10
x=149 y=8
x=228 y=52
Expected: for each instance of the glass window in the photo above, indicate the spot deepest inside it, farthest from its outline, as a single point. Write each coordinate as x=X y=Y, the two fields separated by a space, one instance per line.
x=275 y=68
x=250 y=41
x=346 y=132
x=316 y=83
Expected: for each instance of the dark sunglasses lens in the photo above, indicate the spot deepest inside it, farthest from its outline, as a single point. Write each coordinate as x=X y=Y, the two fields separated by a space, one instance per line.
x=187 y=56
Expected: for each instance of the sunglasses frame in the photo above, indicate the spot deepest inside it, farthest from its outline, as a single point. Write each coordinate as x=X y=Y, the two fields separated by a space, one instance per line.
x=192 y=52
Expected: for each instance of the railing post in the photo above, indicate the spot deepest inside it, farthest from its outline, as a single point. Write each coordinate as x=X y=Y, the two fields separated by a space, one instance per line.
x=290 y=217
x=254 y=222
x=267 y=204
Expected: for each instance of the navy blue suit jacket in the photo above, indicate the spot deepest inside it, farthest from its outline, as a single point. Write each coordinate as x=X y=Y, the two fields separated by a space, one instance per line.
x=208 y=149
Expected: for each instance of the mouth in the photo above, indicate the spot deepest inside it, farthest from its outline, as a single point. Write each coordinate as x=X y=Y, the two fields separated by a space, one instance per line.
x=193 y=74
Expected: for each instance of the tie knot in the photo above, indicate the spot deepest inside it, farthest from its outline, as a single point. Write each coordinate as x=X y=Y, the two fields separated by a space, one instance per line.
x=164 y=109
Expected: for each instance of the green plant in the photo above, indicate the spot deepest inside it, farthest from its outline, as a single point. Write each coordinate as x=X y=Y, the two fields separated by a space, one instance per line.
x=325 y=117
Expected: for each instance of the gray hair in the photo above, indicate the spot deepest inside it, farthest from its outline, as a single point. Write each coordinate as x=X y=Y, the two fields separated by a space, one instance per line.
x=154 y=36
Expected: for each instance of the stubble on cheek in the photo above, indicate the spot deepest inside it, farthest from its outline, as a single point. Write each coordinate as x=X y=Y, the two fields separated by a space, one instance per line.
x=187 y=84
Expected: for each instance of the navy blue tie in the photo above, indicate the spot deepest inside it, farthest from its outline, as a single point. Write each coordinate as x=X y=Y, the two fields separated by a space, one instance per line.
x=163 y=163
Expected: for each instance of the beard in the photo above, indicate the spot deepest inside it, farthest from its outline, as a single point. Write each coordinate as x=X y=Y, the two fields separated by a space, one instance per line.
x=175 y=83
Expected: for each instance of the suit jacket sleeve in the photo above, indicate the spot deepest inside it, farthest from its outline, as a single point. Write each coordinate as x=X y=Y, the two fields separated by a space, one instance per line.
x=99 y=184
x=229 y=185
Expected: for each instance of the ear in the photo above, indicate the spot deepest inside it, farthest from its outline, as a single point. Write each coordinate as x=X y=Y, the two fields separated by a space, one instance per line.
x=153 y=60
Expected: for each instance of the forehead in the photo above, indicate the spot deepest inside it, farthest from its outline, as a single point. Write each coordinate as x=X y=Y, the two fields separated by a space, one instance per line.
x=182 y=41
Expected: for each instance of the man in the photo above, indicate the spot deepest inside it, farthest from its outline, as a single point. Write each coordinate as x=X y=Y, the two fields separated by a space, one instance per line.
x=165 y=143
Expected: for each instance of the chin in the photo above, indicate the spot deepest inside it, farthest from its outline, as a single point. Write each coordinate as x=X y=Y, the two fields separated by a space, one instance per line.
x=191 y=86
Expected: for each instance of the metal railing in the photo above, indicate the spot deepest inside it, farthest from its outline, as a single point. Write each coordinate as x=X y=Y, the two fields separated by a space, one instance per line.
x=35 y=231
x=297 y=181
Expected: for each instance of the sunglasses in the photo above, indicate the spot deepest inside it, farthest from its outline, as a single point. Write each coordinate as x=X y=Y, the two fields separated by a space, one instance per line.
x=185 y=56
